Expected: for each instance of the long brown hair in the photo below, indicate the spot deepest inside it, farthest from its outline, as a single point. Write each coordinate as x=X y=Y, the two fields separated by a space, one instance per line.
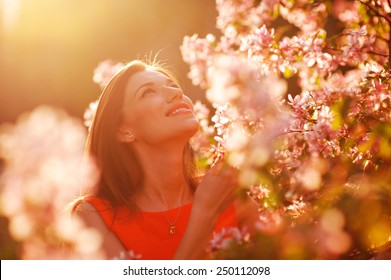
x=121 y=172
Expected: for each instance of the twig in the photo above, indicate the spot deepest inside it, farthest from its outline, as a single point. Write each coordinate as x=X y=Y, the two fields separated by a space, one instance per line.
x=389 y=48
x=379 y=54
x=369 y=52
x=386 y=17
x=348 y=34
x=383 y=39
x=378 y=5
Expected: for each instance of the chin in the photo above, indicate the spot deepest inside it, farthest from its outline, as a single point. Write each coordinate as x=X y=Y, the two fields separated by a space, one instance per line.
x=192 y=129
x=189 y=130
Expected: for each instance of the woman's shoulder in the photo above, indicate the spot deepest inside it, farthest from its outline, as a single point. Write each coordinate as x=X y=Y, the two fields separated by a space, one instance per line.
x=91 y=211
x=92 y=217
x=86 y=205
x=91 y=202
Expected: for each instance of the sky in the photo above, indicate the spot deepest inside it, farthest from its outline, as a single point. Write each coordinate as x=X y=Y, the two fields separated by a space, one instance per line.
x=49 y=48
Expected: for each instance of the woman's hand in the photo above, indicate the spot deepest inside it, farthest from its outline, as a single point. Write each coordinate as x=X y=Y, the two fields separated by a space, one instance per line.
x=217 y=189
x=213 y=195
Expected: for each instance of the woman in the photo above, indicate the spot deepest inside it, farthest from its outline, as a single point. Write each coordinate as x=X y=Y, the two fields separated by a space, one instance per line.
x=148 y=199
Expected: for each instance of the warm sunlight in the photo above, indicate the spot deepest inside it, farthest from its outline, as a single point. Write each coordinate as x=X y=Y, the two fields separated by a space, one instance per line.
x=50 y=47
x=10 y=13
x=263 y=133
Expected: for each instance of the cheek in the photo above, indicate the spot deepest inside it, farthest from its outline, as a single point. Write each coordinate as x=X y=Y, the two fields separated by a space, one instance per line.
x=145 y=123
x=141 y=112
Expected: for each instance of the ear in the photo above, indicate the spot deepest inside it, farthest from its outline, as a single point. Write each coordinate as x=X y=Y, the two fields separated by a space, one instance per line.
x=125 y=136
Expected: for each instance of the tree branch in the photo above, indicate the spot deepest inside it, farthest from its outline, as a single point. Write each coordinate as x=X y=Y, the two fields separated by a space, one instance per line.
x=389 y=48
x=383 y=39
x=385 y=16
x=378 y=5
x=368 y=52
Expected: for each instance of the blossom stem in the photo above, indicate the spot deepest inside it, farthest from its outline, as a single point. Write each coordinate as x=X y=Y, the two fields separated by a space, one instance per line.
x=385 y=16
x=379 y=54
x=368 y=52
x=389 y=47
x=382 y=39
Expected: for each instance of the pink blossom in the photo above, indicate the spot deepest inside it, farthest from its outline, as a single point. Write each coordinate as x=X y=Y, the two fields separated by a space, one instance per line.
x=346 y=11
x=201 y=141
x=197 y=52
x=229 y=78
x=105 y=71
x=231 y=12
x=270 y=222
x=288 y=143
x=128 y=255
x=226 y=237
x=258 y=41
x=308 y=19
x=44 y=171
x=297 y=208
x=89 y=113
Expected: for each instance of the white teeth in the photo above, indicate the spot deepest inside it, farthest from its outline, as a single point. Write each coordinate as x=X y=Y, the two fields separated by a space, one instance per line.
x=178 y=111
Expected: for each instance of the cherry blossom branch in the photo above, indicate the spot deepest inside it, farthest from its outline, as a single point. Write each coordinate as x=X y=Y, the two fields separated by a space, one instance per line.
x=297 y=131
x=389 y=47
x=382 y=39
x=385 y=16
x=379 y=54
x=381 y=7
x=377 y=5
x=348 y=34
x=368 y=52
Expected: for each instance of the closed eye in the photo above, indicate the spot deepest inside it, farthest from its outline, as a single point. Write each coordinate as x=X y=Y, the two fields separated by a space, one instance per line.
x=147 y=91
x=174 y=85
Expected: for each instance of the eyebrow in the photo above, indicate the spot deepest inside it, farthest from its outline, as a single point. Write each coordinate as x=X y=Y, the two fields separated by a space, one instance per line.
x=168 y=80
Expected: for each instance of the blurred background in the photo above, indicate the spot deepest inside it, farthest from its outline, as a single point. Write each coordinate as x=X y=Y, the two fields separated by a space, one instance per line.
x=49 y=48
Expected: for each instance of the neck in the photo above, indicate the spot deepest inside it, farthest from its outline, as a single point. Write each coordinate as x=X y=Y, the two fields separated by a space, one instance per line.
x=165 y=186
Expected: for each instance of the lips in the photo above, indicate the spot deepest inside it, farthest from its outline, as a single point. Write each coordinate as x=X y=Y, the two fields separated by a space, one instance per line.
x=178 y=108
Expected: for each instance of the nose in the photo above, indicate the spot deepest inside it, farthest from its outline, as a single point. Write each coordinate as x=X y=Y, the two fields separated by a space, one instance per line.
x=173 y=93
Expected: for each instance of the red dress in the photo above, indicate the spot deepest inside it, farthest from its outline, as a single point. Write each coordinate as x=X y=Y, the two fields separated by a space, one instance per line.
x=148 y=233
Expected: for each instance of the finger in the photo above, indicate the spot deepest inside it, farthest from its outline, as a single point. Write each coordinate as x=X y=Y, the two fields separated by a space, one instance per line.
x=218 y=159
x=216 y=166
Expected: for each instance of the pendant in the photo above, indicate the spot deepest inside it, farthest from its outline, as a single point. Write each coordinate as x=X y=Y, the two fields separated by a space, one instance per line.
x=172 y=230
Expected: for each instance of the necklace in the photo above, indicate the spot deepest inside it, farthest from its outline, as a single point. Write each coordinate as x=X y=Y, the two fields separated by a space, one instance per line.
x=172 y=226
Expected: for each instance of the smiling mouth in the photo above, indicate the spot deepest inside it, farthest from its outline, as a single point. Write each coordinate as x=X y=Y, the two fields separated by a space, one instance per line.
x=179 y=111
x=180 y=108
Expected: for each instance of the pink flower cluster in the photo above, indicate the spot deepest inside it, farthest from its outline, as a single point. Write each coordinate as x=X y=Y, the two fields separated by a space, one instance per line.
x=105 y=71
x=102 y=75
x=238 y=17
x=291 y=143
x=226 y=237
x=307 y=16
x=197 y=53
x=44 y=171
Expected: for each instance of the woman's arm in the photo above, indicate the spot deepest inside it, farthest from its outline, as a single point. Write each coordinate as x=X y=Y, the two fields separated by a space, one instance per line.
x=247 y=213
x=213 y=195
x=202 y=223
x=110 y=246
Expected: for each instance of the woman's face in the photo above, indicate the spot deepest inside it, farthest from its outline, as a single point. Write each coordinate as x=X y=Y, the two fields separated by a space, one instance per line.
x=155 y=109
